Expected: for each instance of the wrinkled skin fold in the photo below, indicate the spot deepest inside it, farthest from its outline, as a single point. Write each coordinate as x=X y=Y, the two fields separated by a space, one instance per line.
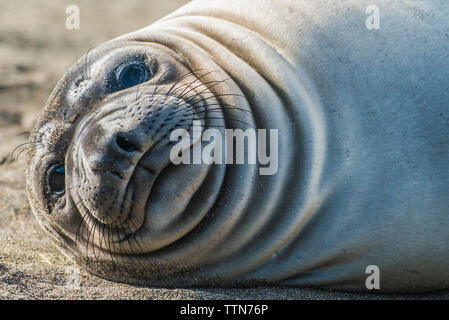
x=362 y=119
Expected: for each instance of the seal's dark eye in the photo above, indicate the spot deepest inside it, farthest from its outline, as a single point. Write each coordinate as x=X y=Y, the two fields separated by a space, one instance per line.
x=128 y=73
x=57 y=179
x=132 y=74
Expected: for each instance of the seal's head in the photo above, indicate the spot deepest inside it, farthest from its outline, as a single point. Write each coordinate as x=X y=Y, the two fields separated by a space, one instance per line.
x=99 y=173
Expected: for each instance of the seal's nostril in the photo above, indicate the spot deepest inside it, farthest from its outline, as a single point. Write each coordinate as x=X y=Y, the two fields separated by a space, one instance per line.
x=125 y=143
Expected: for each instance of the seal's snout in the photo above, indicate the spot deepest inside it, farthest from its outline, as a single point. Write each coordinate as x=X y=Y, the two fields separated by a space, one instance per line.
x=108 y=161
x=123 y=144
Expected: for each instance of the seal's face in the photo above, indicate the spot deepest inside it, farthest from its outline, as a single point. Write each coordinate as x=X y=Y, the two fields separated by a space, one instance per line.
x=99 y=173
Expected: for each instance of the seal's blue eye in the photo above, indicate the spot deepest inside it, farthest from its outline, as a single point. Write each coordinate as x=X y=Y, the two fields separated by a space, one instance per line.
x=57 y=179
x=132 y=74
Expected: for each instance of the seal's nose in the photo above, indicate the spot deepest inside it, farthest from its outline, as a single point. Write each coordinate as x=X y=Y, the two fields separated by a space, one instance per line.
x=127 y=142
x=109 y=151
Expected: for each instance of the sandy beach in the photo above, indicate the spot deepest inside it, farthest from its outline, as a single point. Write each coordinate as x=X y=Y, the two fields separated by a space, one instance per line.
x=35 y=50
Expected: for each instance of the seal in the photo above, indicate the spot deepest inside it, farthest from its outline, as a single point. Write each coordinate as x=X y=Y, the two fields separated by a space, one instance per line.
x=362 y=119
